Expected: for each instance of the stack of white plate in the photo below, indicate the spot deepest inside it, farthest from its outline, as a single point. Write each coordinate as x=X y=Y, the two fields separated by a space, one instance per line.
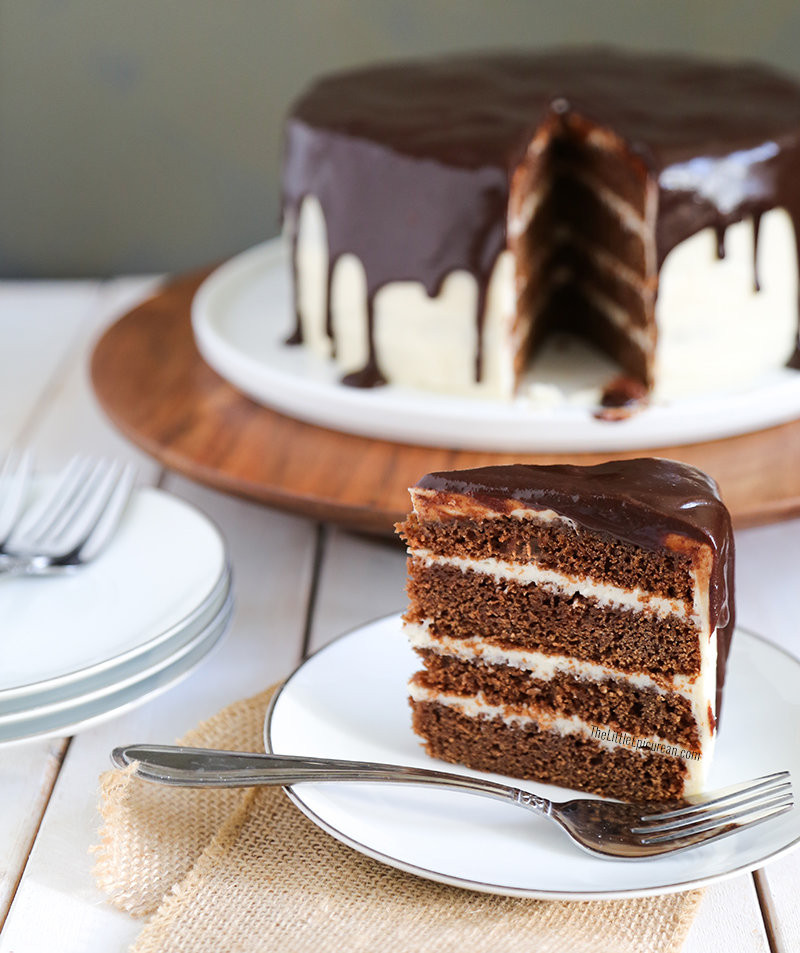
x=80 y=647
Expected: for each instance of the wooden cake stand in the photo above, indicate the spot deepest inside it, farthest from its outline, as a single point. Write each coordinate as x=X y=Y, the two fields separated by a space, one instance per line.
x=155 y=387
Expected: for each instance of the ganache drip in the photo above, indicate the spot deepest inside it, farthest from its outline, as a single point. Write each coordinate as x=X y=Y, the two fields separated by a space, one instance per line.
x=756 y=227
x=370 y=374
x=296 y=336
x=720 y=229
x=329 y=303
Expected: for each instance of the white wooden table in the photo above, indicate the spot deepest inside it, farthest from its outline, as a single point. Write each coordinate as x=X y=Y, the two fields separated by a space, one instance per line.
x=298 y=585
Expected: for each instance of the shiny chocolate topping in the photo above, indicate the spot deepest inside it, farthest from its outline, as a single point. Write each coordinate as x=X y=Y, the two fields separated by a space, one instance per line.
x=411 y=162
x=640 y=501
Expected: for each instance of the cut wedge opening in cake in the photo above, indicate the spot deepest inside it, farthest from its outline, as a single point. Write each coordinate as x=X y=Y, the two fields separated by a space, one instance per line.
x=581 y=228
x=573 y=623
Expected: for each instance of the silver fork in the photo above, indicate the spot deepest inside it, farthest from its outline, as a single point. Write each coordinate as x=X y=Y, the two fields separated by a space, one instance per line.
x=613 y=829
x=15 y=478
x=71 y=522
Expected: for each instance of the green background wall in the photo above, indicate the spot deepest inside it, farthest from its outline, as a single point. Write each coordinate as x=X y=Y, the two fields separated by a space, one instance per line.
x=146 y=136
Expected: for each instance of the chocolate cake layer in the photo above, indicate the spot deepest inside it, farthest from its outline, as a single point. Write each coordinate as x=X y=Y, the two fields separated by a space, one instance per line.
x=567 y=205
x=580 y=210
x=580 y=144
x=613 y=702
x=464 y=605
x=589 y=273
x=555 y=545
x=572 y=761
x=570 y=309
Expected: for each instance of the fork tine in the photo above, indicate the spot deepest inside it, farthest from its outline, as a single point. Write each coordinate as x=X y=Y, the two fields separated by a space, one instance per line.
x=720 y=813
x=41 y=514
x=726 y=823
x=744 y=794
x=96 y=537
x=65 y=527
x=14 y=480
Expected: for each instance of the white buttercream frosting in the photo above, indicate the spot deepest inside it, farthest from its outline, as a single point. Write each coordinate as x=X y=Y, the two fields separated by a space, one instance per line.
x=423 y=342
x=715 y=330
x=540 y=665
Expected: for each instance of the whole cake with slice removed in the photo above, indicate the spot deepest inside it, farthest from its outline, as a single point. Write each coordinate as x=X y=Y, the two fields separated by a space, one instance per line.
x=573 y=622
x=448 y=216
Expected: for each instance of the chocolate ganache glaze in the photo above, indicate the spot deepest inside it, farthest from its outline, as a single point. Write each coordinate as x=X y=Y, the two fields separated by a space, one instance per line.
x=413 y=163
x=640 y=501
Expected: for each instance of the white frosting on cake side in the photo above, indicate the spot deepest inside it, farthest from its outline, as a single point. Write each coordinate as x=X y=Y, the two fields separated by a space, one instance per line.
x=714 y=330
x=312 y=269
x=423 y=342
x=540 y=665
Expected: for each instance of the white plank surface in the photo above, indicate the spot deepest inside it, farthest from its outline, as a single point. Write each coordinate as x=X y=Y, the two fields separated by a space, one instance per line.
x=779 y=885
x=39 y=327
x=360 y=579
x=47 y=332
x=729 y=920
x=57 y=905
x=70 y=420
x=27 y=775
x=767 y=567
x=767 y=582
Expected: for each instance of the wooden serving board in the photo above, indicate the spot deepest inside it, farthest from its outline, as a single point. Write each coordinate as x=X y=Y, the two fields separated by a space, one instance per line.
x=155 y=387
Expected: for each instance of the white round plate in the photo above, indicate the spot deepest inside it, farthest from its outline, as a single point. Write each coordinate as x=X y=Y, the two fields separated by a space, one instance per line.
x=86 y=711
x=349 y=700
x=162 y=578
x=130 y=666
x=242 y=314
x=96 y=692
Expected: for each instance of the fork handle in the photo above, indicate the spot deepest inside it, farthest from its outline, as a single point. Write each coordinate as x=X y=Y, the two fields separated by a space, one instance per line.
x=17 y=566
x=205 y=767
x=12 y=565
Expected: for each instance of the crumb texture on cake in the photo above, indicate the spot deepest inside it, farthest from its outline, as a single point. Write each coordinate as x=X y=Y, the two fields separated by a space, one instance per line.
x=570 y=761
x=573 y=623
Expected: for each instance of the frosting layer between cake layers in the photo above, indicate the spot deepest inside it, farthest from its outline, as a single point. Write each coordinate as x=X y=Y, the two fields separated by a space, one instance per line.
x=556 y=652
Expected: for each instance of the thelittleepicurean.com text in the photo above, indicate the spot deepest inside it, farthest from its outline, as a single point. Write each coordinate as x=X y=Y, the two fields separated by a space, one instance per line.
x=631 y=741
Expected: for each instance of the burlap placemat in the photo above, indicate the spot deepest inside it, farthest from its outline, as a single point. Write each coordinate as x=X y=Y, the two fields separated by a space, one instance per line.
x=245 y=871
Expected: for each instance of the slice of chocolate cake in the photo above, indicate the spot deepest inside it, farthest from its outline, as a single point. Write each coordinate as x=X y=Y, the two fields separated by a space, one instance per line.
x=573 y=622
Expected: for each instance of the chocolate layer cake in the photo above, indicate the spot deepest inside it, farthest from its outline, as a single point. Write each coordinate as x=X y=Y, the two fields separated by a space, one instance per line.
x=573 y=622
x=447 y=215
